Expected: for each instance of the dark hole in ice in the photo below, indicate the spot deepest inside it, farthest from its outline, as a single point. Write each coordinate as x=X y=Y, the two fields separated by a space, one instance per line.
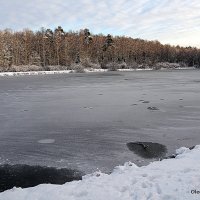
x=147 y=149
x=25 y=176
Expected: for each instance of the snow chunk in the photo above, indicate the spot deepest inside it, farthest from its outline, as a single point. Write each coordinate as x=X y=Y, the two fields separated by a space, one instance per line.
x=182 y=150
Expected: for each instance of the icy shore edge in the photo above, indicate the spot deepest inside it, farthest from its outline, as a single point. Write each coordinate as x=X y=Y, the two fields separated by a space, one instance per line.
x=177 y=178
x=73 y=71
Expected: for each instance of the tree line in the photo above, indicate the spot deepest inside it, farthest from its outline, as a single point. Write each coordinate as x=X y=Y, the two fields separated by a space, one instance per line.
x=47 y=47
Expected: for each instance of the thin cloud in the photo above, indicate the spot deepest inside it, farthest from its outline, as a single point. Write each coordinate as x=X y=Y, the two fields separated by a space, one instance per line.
x=176 y=21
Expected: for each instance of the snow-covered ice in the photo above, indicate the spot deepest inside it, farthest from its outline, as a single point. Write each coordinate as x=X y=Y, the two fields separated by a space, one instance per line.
x=46 y=141
x=168 y=179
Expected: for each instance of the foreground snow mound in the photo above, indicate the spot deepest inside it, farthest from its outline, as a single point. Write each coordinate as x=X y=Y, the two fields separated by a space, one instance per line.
x=168 y=179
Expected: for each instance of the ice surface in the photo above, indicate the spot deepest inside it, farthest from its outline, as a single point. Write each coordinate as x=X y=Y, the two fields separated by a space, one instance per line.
x=91 y=130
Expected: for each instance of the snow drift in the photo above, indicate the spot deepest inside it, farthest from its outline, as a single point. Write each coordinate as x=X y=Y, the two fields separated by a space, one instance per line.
x=168 y=179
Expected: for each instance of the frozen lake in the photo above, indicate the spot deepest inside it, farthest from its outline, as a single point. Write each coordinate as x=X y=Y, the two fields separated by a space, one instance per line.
x=84 y=121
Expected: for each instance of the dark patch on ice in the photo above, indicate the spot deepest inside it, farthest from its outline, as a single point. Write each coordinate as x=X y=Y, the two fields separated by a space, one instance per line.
x=196 y=81
x=141 y=100
x=147 y=149
x=162 y=99
x=100 y=94
x=25 y=176
x=135 y=104
x=152 y=108
x=145 y=102
x=180 y=99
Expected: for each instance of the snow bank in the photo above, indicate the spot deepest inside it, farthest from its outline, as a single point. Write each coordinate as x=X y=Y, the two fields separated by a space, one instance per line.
x=35 y=73
x=168 y=179
x=95 y=70
x=48 y=72
x=87 y=70
x=137 y=69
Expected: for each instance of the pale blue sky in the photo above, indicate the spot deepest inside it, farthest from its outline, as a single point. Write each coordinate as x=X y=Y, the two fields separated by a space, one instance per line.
x=169 y=21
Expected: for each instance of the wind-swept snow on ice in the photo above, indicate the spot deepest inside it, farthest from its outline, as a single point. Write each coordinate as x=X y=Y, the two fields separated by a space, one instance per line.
x=177 y=178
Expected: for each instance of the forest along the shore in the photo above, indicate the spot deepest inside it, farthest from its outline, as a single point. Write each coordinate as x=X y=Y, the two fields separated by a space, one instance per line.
x=47 y=50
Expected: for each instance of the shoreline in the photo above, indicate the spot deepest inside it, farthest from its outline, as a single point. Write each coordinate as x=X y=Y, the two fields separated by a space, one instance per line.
x=90 y=70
